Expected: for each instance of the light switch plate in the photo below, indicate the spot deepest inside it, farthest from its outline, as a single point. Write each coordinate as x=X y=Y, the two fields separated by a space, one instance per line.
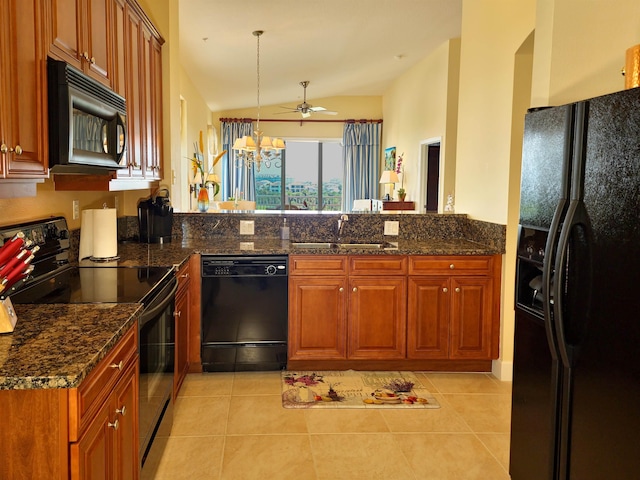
x=246 y=227
x=391 y=227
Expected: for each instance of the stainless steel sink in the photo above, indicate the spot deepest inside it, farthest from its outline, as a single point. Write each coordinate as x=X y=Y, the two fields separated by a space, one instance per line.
x=314 y=245
x=351 y=245
x=361 y=245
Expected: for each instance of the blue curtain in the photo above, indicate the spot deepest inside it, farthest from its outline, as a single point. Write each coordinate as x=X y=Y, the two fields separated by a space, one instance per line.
x=361 y=161
x=235 y=175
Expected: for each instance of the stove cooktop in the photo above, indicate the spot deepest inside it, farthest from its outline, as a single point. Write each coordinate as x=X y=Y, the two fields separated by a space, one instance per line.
x=94 y=285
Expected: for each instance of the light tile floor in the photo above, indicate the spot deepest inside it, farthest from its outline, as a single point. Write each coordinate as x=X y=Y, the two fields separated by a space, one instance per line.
x=232 y=426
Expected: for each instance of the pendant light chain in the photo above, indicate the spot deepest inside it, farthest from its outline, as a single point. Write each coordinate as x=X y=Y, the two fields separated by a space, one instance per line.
x=257 y=33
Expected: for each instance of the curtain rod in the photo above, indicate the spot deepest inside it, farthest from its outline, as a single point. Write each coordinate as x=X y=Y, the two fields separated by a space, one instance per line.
x=249 y=120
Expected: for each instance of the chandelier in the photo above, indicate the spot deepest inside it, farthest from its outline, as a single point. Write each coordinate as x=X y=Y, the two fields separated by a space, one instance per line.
x=258 y=148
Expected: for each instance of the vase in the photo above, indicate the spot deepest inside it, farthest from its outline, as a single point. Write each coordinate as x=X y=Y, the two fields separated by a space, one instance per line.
x=203 y=199
x=402 y=196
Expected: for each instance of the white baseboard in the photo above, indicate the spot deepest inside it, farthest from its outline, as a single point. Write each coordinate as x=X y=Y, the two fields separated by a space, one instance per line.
x=502 y=370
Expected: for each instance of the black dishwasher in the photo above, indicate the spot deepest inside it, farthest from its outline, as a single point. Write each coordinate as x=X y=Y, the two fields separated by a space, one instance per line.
x=244 y=313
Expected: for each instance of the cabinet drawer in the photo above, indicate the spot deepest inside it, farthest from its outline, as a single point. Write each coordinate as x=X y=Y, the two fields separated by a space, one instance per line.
x=86 y=400
x=378 y=265
x=317 y=265
x=443 y=265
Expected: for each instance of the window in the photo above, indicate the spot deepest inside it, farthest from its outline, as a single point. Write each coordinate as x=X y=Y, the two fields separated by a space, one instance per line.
x=312 y=178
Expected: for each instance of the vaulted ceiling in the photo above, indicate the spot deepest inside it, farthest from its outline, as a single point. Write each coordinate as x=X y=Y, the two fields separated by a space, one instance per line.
x=343 y=47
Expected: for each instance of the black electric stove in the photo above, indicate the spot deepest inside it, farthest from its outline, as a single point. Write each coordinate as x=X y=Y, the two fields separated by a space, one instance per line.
x=55 y=280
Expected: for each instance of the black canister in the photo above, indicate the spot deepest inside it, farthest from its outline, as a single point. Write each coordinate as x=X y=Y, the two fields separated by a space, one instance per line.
x=155 y=218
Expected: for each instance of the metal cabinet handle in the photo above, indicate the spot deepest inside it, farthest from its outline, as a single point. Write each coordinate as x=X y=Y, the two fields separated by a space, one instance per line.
x=122 y=411
x=184 y=275
x=457 y=289
x=177 y=313
x=445 y=289
x=117 y=365
x=355 y=289
x=5 y=149
x=341 y=289
x=113 y=425
x=452 y=266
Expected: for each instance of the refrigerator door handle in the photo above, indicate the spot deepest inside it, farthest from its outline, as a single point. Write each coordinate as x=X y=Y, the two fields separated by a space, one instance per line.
x=548 y=274
x=572 y=285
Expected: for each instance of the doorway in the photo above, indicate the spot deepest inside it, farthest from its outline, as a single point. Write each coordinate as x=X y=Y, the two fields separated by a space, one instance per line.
x=430 y=176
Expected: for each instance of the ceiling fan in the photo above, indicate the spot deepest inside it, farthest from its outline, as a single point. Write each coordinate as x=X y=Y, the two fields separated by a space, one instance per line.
x=307 y=109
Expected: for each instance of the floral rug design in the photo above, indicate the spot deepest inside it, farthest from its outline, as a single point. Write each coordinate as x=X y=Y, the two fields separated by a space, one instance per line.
x=354 y=389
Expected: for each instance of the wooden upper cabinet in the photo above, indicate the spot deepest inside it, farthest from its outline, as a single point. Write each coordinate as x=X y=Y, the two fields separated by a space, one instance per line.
x=81 y=35
x=23 y=91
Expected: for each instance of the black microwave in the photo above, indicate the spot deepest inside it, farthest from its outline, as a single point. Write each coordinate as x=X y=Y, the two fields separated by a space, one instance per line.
x=87 y=123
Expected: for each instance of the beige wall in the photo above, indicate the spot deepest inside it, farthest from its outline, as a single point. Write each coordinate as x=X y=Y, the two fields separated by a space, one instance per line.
x=580 y=48
x=422 y=105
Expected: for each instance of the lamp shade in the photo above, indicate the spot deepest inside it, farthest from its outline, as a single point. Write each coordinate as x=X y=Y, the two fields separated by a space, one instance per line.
x=212 y=177
x=389 y=176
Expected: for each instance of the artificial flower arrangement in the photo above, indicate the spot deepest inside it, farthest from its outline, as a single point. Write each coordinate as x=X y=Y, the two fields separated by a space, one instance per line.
x=198 y=167
x=400 y=170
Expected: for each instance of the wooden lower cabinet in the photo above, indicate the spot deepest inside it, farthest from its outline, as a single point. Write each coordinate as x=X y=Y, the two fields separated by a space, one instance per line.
x=108 y=447
x=342 y=317
x=317 y=318
x=395 y=311
x=453 y=307
x=377 y=318
x=84 y=433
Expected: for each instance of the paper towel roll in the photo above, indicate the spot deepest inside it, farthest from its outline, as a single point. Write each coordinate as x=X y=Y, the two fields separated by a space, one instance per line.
x=86 y=235
x=99 y=234
x=105 y=233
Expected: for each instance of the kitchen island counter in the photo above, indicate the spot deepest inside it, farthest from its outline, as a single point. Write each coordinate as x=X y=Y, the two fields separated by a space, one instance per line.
x=56 y=346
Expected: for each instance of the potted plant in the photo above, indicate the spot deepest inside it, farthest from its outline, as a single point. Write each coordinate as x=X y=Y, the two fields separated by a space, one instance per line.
x=400 y=170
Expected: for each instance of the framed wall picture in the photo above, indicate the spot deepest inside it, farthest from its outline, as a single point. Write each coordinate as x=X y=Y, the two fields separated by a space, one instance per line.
x=390 y=158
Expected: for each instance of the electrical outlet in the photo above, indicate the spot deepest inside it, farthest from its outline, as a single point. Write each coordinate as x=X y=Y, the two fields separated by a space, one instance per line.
x=76 y=209
x=391 y=227
x=246 y=227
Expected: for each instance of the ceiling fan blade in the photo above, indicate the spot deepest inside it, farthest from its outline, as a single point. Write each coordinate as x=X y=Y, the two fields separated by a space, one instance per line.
x=327 y=112
x=316 y=109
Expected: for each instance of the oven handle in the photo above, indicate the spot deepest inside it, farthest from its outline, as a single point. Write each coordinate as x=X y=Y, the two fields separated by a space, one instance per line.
x=152 y=312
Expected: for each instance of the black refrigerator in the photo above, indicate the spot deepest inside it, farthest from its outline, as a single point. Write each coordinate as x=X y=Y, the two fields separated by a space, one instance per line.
x=576 y=378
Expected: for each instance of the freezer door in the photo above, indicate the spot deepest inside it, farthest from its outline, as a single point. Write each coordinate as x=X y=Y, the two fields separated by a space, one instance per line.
x=604 y=338
x=546 y=159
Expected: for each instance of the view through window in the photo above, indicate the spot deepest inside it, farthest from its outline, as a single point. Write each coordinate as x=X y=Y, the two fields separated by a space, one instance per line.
x=308 y=177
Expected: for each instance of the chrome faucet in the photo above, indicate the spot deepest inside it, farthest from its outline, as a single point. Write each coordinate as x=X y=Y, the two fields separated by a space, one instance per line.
x=343 y=219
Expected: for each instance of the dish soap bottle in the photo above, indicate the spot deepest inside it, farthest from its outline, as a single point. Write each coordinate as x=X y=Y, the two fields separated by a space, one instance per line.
x=284 y=230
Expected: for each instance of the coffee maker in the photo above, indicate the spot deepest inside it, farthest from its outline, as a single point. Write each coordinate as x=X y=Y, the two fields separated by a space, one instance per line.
x=155 y=218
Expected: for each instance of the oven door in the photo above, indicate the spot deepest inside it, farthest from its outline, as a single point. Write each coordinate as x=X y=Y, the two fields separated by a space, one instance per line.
x=157 y=347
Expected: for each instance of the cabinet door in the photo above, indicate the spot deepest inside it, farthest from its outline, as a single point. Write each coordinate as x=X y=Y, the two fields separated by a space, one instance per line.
x=92 y=455
x=134 y=94
x=65 y=31
x=183 y=300
x=155 y=84
x=125 y=411
x=97 y=54
x=428 y=318
x=377 y=318
x=317 y=318
x=23 y=126
x=471 y=318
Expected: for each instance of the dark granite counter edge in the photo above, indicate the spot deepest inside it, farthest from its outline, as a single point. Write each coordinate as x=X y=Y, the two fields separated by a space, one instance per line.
x=78 y=338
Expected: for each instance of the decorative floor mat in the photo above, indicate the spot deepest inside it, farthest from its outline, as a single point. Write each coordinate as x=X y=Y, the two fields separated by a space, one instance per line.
x=354 y=389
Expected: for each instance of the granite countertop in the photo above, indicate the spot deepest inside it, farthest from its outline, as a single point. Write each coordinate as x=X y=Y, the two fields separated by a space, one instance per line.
x=177 y=252
x=56 y=346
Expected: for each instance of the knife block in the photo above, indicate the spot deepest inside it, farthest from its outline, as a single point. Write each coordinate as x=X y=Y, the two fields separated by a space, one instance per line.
x=8 y=317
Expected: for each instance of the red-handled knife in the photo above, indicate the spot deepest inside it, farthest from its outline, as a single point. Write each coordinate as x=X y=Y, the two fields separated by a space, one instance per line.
x=15 y=277
x=11 y=247
x=9 y=266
